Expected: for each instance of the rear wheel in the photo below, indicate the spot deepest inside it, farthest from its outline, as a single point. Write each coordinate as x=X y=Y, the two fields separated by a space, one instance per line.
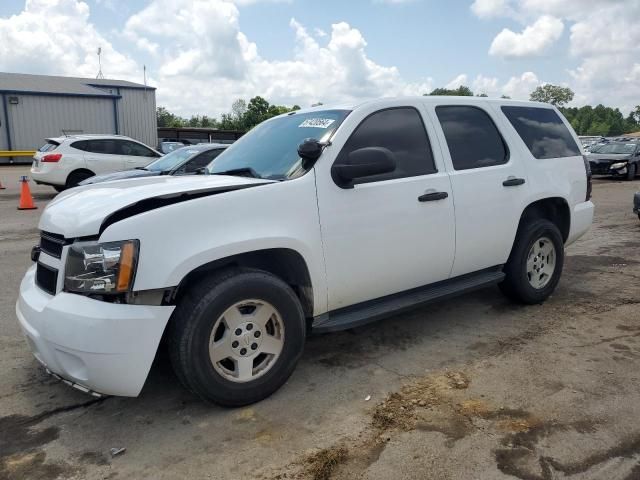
x=59 y=188
x=632 y=169
x=76 y=177
x=237 y=336
x=535 y=264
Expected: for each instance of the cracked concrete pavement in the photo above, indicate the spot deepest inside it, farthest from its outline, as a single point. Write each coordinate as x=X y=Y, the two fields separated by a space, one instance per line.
x=471 y=388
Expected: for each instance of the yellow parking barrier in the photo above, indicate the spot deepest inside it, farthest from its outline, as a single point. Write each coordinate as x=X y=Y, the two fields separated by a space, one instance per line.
x=17 y=153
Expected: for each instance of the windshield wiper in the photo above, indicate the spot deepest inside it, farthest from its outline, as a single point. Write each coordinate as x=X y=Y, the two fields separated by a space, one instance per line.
x=239 y=172
x=141 y=168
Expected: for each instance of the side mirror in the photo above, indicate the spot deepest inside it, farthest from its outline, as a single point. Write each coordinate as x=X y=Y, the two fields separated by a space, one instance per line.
x=310 y=149
x=361 y=163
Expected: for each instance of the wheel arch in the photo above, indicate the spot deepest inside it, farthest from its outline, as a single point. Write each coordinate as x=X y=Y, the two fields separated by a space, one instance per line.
x=554 y=209
x=78 y=170
x=285 y=263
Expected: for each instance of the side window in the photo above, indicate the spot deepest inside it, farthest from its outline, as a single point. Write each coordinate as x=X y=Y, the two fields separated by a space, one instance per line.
x=201 y=160
x=134 y=149
x=81 y=145
x=105 y=147
x=400 y=130
x=543 y=131
x=473 y=139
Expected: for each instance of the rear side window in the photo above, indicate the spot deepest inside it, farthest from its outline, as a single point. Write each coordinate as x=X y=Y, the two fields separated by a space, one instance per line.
x=400 y=130
x=47 y=147
x=105 y=147
x=543 y=131
x=473 y=139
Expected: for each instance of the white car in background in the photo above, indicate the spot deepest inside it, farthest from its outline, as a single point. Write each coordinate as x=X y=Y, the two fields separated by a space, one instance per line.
x=63 y=162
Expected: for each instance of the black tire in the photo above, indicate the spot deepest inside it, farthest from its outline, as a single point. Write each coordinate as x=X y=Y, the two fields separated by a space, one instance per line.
x=632 y=169
x=195 y=316
x=59 y=188
x=516 y=284
x=76 y=177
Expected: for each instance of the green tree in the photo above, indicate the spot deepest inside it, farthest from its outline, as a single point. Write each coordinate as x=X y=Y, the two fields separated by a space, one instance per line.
x=553 y=94
x=461 y=91
x=167 y=119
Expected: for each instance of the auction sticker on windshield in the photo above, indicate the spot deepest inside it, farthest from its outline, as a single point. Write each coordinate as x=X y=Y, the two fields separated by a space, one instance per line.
x=316 y=123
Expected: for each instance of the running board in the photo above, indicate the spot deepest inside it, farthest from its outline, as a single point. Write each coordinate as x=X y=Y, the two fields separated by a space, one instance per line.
x=372 y=310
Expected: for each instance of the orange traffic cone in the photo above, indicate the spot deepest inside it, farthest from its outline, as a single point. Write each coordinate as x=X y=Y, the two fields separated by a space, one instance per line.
x=26 y=200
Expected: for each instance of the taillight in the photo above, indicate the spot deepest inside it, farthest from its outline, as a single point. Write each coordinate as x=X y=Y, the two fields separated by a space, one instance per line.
x=587 y=169
x=51 y=158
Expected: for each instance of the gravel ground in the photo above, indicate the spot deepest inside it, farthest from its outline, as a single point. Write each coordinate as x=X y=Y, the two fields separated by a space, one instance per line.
x=474 y=388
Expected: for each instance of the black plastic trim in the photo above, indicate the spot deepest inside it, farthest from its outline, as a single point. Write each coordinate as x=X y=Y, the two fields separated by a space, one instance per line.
x=373 y=310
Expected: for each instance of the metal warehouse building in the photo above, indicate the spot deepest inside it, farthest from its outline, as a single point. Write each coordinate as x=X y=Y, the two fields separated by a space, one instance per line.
x=35 y=107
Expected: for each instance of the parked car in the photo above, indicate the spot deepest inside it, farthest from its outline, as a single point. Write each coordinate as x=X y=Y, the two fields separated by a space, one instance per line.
x=616 y=158
x=636 y=204
x=588 y=142
x=63 y=162
x=316 y=220
x=184 y=161
x=168 y=147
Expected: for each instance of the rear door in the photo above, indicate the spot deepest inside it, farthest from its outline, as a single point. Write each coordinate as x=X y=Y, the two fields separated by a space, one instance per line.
x=135 y=155
x=489 y=184
x=102 y=156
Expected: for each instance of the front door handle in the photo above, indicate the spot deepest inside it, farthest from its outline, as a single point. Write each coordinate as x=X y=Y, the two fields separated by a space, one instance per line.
x=513 y=182
x=433 y=196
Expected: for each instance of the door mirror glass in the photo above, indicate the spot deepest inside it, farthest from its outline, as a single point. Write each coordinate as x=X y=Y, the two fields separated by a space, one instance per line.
x=364 y=162
x=310 y=149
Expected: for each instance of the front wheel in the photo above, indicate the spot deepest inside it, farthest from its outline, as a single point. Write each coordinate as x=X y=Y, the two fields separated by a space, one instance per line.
x=236 y=337
x=535 y=264
x=632 y=169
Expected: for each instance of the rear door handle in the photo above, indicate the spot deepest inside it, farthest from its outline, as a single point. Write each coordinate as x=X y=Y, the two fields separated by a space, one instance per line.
x=433 y=196
x=513 y=182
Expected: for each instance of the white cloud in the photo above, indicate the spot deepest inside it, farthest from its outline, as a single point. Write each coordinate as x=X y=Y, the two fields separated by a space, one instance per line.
x=520 y=88
x=56 y=37
x=533 y=40
x=486 y=85
x=211 y=62
x=460 y=80
x=491 y=8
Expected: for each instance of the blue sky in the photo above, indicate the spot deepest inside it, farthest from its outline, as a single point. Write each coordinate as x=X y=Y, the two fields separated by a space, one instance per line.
x=203 y=54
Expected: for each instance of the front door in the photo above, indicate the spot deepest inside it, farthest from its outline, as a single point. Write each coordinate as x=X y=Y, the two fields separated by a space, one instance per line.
x=391 y=232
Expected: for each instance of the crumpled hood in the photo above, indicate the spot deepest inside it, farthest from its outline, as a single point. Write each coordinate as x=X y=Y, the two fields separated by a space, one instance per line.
x=608 y=157
x=80 y=211
x=107 y=177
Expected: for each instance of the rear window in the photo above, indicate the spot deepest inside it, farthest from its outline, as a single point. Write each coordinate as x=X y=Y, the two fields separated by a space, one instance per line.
x=47 y=147
x=543 y=131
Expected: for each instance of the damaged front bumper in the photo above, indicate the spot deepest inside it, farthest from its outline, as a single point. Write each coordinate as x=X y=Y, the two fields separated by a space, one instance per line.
x=97 y=347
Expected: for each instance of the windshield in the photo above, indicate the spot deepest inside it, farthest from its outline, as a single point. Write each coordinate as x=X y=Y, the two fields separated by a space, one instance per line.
x=271 y=148
x=623 y=148
x=172 y=160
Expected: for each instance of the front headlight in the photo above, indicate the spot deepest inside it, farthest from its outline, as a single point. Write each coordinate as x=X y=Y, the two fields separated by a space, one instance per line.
x=618 y=165
x=94 y=267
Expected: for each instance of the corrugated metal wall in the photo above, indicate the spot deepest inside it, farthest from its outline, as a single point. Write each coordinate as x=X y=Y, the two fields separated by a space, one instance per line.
x=137 y=115
x=37 y=117
x=4 y=144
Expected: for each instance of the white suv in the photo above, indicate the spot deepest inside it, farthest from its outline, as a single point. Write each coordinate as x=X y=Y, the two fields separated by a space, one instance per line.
x=314 y=221
x=63 y=162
